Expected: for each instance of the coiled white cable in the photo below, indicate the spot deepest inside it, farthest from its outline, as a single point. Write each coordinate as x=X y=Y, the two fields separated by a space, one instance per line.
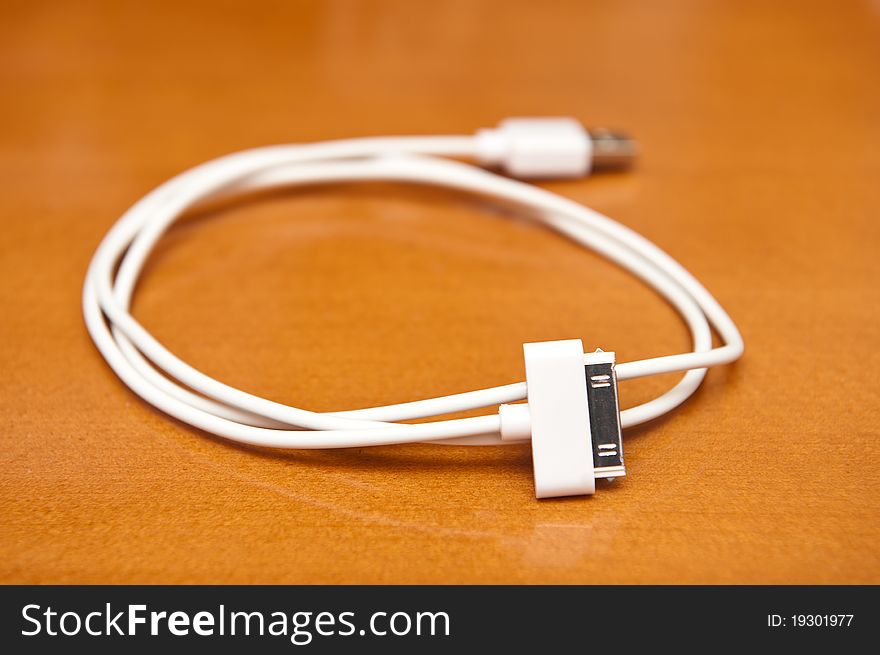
x=176 y=388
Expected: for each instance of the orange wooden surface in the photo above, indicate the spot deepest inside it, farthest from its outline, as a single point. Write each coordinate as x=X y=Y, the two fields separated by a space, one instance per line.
x=759 y=124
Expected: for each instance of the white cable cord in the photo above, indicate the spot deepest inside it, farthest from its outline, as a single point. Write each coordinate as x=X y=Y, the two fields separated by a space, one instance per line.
x=176 y=388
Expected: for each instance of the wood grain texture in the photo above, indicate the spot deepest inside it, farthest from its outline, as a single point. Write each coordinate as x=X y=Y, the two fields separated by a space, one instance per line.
x=759 y=130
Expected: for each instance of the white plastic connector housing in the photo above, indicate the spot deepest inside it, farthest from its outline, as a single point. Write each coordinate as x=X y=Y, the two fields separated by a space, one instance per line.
x=562 y=451
x=530 y=148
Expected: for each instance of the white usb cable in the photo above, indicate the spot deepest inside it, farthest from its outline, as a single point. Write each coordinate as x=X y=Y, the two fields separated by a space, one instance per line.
x=522 y=147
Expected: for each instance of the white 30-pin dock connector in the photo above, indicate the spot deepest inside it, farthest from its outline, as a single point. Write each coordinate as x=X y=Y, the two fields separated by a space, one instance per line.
x=572 y=418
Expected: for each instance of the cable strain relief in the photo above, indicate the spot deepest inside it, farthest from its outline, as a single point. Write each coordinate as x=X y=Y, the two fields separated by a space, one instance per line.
x=516 y=422
x=492 y=148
